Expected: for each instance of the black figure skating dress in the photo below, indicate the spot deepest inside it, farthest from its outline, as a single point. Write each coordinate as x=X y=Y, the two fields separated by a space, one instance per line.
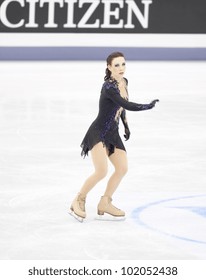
x=105 y=128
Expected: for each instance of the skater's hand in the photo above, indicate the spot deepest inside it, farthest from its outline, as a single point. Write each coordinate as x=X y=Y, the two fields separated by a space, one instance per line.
x=127 y=134
x=153 y=103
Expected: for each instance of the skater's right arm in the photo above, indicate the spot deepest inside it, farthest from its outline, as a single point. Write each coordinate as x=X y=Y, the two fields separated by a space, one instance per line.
x=131 y=106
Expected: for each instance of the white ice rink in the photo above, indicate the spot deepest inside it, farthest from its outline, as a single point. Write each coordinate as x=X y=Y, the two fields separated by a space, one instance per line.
x=45 y=110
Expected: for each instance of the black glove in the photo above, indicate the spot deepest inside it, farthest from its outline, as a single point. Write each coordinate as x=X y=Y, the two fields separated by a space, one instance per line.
x=126 y=127
x=152 y=104
x=127 y=134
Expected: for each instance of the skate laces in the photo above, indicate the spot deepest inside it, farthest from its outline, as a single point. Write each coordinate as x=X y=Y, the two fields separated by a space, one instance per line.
x=81 y=201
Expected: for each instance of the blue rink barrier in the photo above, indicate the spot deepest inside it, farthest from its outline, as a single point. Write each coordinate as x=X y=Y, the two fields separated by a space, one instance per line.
x=100 y=53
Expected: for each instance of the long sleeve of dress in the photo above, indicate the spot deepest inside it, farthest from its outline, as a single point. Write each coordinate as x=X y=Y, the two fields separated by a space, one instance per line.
x=131 y=106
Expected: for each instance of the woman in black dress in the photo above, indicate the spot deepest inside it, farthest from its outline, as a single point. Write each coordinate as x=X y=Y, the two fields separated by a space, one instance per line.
x=103 y=140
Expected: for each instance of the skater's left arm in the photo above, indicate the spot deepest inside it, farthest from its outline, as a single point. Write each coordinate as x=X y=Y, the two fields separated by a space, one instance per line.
x=125 y=123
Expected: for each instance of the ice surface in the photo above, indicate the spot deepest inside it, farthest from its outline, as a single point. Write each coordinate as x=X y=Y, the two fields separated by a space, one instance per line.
x=45 y=110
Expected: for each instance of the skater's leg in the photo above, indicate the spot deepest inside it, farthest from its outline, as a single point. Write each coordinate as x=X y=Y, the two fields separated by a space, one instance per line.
x=99 y=158
x=119 y=161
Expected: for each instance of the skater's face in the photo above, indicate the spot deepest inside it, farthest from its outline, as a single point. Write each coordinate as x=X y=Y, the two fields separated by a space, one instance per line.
x=117 y=68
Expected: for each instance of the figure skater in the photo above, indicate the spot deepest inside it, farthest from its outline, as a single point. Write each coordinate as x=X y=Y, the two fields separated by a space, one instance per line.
x=103 y=140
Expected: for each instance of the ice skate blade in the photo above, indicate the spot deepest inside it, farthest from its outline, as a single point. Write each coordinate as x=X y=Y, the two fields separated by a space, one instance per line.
x=107 y=217
x=78 y=218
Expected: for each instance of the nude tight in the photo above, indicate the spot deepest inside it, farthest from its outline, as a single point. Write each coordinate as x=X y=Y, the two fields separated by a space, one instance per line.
x=100 y=157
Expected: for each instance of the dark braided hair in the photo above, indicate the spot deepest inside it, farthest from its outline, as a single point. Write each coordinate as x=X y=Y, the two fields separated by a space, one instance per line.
x=109 y=62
